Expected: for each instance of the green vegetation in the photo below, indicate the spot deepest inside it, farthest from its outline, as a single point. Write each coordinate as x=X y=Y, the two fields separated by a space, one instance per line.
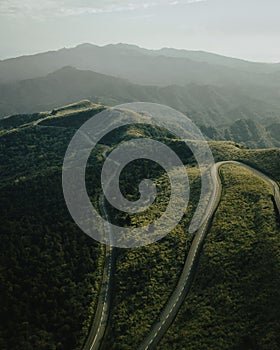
x=145 y=277
x=230 y=99
x=247 y=132
x=266 y=160
x=223 y=113
x=234 y=300
x=50 y=271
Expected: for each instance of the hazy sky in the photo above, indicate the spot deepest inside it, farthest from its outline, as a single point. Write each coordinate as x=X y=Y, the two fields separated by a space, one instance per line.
x=241 y=28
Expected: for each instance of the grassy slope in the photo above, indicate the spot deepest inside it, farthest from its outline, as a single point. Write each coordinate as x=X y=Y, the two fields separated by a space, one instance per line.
x=154 y=265
x=234 y=301
x=155 y=268
x=266 y=160
x=145 y=278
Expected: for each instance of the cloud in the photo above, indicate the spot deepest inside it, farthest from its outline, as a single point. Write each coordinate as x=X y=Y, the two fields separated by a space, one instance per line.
x=64 y=8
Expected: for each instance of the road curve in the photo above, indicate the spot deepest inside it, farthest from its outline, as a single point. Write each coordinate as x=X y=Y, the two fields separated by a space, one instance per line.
x=99 y=324
x=171 y=309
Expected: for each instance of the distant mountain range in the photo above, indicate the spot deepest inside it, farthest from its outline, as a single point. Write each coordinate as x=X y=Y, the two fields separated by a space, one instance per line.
x=229 y=98
x=150 y=67
x=205 y=104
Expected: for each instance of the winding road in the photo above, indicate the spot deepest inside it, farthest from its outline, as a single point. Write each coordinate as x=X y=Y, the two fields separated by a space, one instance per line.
x=100 y=320
x=173 y=305
x=99 y=324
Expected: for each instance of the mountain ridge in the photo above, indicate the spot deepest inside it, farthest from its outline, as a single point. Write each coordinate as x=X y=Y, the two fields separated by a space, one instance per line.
x=149 y=67
x=165 y=50
x=244 y=132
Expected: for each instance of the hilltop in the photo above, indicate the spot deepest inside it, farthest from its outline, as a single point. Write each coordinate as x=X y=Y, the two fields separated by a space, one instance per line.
x=208 y=107
x=51 y=271
x=230 y=99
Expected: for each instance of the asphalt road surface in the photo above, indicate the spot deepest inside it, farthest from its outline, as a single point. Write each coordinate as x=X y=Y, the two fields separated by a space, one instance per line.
x=172 y=307
x=170 y=310
x=100 y=321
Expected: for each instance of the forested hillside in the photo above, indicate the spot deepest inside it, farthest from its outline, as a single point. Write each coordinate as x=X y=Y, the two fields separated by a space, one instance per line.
x=204 y=105
x=50 y=271
x=234 y=301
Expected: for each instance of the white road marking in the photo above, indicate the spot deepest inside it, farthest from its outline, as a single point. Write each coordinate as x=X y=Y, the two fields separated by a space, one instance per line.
x=199 y=237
